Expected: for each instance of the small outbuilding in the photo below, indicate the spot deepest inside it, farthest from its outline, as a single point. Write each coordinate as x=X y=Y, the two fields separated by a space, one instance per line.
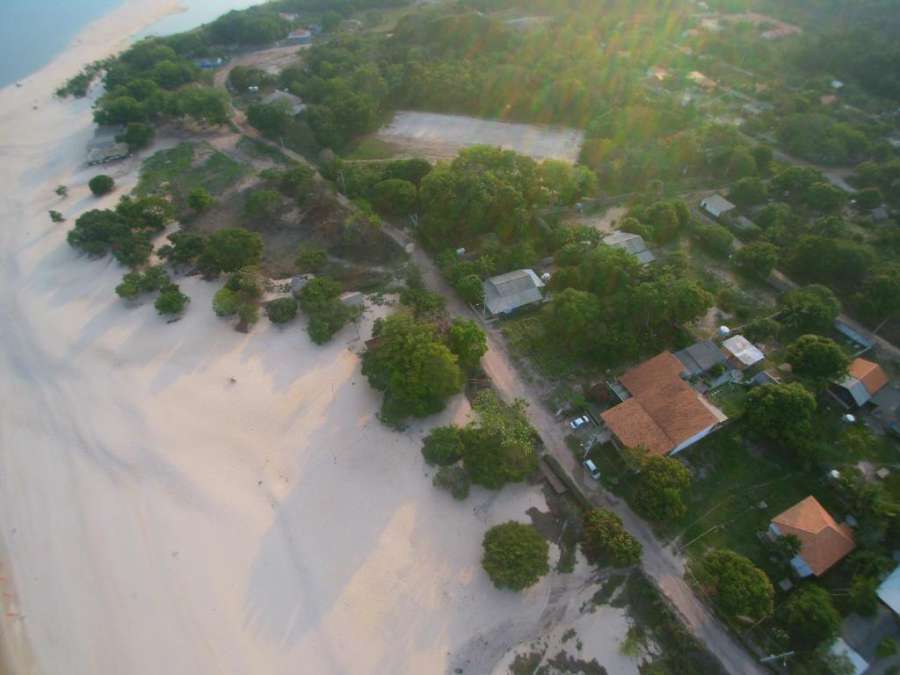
x=741 y=352
x=301 y=36
x=633 y=243
x=823 y=543
x=864 y=379
x=701 y=357
x=716 y=205
x=506 y=293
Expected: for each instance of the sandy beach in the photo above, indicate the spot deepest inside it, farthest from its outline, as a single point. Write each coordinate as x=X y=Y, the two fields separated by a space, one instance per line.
x=185 y=499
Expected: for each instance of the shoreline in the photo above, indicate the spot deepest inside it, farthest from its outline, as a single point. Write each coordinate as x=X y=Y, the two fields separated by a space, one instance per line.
x=102 y=37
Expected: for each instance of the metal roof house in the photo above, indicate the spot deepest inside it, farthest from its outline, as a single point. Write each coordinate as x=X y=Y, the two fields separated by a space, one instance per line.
x=508 y=292
x=716 y=205
x=742 y=352
x=864 y=379
x=889 y=591
x=700 y=357
x=633 y=243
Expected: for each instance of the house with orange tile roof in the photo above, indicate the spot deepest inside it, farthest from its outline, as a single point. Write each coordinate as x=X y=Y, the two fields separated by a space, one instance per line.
x=864 y=379
x=823 y=542
x=660 y=411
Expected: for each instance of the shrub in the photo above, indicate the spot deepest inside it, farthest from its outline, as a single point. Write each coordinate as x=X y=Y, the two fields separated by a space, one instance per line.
x=310 y=259
x=714 y=238
x=515 y=555
x=443 y=446
x=101 y=185
x=607 y=540
x=56 y=216
x=171 y=301
x=454 y=479
x=394 y=197
x=199 y=199
x=282 y=310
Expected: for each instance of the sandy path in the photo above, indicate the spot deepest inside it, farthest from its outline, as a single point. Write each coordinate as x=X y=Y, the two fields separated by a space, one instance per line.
x=158 y=517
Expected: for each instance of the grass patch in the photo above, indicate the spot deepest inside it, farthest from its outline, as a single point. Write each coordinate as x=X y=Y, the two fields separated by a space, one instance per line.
x=372 y=148
x=177 y=171
x=731 y=398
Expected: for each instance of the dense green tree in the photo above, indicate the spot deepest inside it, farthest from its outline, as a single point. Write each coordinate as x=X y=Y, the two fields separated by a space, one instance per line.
x=757 y=259
x=258 y=26
x=607 y=541
x=869 y=198
x=101 y=184
x=810 y=309
x=205 y=105
x=230 y=249
x=574 y=317
x=715 y=238
x=466 y=339
x=825 y=197
x=320 y=301
x=781 y=412
x=499 y=447
x=748 y=191
x=515 y=556
x=739 y=587
x=137 y=136
x=830 y=261
x=817 y=358
x=171 y=301
x=282 y=310
x=199 y=199
x=184 y=247
x=394 y=197
x=414 y=369
x=660 y=487
x=242 y=78
x=470 y=289
x=443 y=446
x=763 y=156
x=809 y=616
x=879 y=298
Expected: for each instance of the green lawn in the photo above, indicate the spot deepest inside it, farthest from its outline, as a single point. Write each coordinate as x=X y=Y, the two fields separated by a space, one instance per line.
x=732 y=479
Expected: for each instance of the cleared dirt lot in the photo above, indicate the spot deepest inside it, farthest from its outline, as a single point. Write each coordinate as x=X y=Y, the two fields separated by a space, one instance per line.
x=435 y=136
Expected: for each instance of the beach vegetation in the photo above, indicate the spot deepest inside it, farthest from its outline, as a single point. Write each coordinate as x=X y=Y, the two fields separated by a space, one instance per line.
x=137 y=135
x=62 y=191
x=320 y=300
x=200 y=200
x=310 y=259
x=229 y=250
x=101 y=185
x=443 y=446
x=515 y=555
x=409 y=362
x=184 y=248
x=56 y=216
x=454 y=479
x=171 y=301
x=282 y=310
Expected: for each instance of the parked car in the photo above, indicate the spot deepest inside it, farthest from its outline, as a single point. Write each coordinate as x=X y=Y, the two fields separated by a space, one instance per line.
x=579 y=422
x=592 y=469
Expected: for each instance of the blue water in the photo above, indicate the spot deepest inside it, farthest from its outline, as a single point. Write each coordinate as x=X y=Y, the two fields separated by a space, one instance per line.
x=33 y=32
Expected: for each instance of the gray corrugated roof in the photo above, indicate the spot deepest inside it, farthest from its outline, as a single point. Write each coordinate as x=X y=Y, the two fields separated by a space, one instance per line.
x=700 y=357
x=508 y=292
x=633 y=243
x=717 y=204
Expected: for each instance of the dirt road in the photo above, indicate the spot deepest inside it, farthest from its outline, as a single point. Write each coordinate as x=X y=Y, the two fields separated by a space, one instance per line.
x=660 y=562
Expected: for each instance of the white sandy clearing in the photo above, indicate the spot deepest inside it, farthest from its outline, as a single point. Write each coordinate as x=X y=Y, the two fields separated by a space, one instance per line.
x=158 y=517
x=435 y=136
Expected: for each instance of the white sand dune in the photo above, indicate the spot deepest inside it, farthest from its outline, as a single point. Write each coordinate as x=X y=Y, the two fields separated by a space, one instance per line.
x=158 y=517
